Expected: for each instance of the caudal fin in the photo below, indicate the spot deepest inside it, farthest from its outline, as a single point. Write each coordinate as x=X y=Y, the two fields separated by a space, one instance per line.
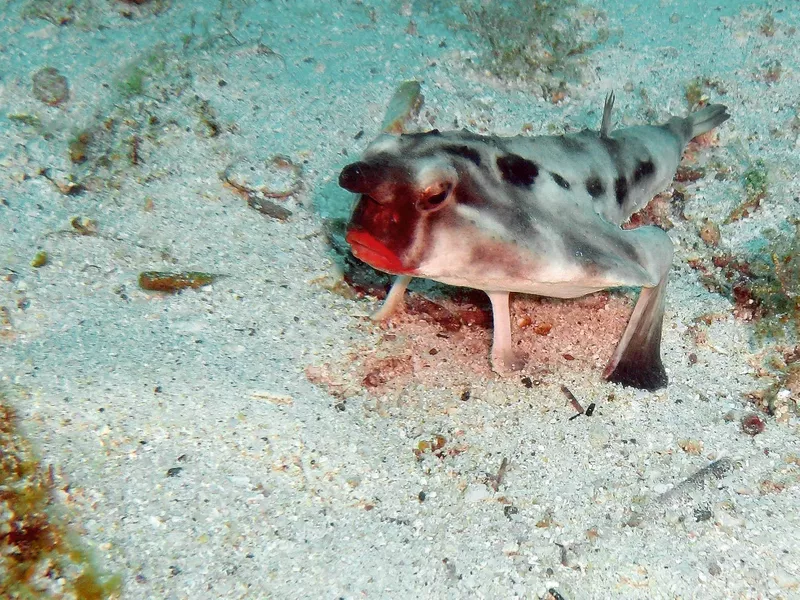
x=706 y=119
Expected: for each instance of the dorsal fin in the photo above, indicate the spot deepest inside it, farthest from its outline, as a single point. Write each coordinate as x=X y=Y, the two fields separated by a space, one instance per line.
x=605 y=125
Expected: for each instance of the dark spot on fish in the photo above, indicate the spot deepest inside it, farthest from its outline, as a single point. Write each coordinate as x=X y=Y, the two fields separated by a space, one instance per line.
x=501 y=256
x=621 y=189
x=560 y=181
x=595 y=187
x=643 y=169
x=470 y=154
x=517 y=170
x=572 y=144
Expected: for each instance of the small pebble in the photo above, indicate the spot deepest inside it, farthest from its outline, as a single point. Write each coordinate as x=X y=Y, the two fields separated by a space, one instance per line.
x=50 y=86
x=752 y=424
x=39 y=260
x=702 y=514
x=709 y=233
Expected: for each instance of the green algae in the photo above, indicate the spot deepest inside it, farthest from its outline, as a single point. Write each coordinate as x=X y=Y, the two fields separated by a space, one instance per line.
x=754 y=181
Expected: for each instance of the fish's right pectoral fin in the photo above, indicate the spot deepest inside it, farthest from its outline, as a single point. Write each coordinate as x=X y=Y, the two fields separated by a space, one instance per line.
x=636 y=362
x=394 y=300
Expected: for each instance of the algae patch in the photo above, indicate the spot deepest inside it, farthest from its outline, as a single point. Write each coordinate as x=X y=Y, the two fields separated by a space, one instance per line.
x=39 y=558
x=535 y=40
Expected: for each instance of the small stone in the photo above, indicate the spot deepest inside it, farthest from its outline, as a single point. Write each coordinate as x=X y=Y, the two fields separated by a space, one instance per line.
x=693 y=447
x=752 y=424
x=63 y=181
x=709 y=233
x=84 y=225
x=702 y=514
x=39 y=260
x=174 y=471
x=79 y=147
x=50 y=86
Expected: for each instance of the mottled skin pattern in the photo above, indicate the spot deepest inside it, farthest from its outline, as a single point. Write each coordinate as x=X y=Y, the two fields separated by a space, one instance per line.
x=538 y=215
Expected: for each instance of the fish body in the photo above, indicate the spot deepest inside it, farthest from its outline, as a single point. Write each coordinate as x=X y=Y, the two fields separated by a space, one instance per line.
x=531 y=214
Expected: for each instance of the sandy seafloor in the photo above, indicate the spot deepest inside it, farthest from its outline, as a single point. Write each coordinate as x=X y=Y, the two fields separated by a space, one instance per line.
x=289 y=487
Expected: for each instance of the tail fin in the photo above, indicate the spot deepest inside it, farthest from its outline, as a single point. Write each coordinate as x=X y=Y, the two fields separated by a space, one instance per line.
x=706 y=119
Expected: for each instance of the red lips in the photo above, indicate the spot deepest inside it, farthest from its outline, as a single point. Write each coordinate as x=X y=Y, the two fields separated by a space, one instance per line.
x=367 y=248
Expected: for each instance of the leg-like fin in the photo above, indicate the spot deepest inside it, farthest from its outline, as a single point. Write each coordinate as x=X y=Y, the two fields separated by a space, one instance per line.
x=605 y=125
x=636 y=362
x=395 y=298
x=504 y=358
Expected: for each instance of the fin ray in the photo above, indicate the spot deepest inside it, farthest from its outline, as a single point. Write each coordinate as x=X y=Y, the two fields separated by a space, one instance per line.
x=605 y=124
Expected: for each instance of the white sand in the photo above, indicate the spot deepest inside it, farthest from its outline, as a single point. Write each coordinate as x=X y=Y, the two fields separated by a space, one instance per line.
x=281 y=494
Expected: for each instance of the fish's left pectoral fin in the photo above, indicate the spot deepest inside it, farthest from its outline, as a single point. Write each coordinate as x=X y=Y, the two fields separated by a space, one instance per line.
x=636 y=362
x=394 y=300
x=504 y=358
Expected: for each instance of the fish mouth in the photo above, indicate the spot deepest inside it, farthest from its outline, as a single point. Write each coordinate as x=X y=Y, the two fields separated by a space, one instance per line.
x=368 y=249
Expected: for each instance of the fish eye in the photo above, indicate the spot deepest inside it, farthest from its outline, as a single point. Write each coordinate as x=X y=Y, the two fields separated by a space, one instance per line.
x=438 y=198
x=434 y=197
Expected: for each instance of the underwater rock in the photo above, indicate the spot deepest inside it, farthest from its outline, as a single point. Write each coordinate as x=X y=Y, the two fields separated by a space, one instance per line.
x=50 y=86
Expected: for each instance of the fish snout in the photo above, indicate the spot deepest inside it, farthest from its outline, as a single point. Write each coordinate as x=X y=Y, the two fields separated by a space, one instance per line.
x=360 y=177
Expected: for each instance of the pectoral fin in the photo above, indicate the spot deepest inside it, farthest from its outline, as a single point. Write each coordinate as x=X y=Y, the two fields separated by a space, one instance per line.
x=636 y=362
x=395 y=298
x=504 y=358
